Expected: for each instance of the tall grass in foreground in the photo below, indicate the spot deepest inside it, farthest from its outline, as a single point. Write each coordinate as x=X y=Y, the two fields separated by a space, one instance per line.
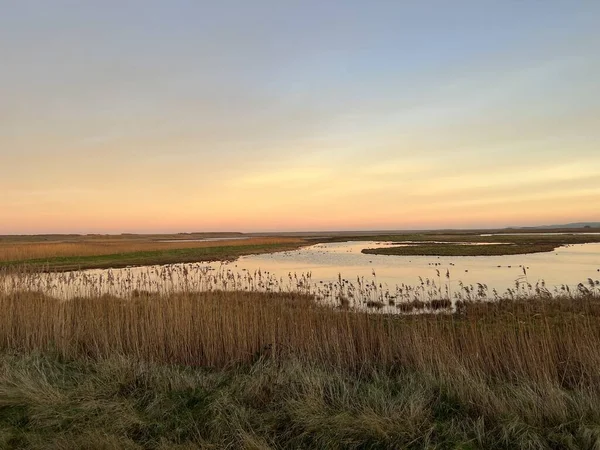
x=547 y=341
x=276 y=370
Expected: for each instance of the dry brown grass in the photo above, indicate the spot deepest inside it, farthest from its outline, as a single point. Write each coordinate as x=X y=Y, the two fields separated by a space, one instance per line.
x=505 y=374
x=546 y=344
x=22 y=251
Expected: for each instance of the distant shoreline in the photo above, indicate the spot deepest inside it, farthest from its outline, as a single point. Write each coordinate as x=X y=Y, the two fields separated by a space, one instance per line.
x=106 y=252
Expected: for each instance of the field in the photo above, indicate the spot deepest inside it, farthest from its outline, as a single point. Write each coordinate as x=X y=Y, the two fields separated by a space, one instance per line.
x=60 y=254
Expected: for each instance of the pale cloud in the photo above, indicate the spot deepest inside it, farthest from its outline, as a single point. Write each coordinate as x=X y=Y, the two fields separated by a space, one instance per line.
x=283 y=177
x=507 y=176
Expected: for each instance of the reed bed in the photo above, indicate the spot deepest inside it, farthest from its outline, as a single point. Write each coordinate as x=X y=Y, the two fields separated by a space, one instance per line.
x=509 y=339
x=440 y=293
x=248 y=369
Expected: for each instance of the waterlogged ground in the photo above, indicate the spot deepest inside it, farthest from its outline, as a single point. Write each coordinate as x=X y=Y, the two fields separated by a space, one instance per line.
x=339 y=273
x=568 y=265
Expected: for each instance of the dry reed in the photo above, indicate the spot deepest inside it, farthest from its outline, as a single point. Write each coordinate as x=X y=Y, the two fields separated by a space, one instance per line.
x=22 y=251
x=554 y=342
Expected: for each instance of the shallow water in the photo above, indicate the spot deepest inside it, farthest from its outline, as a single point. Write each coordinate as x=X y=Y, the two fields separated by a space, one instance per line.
x=567 y=265
x=334 y=270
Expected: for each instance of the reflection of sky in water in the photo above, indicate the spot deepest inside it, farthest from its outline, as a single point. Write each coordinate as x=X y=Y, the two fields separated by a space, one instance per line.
x=567 y=265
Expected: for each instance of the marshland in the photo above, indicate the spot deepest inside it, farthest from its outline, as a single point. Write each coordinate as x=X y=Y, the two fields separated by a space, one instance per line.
x=299 y=225
x=359 y=269
x=225 y=353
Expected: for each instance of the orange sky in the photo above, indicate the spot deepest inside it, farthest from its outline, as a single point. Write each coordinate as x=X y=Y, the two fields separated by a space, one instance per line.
x=297 y=117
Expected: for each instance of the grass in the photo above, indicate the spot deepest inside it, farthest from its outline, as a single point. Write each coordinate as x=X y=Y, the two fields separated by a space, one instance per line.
x=92 y=255
x=249 y=370
x=45 y=238
x=218 y=329
x=49 y=402
x=462 y=249
x=463 y=244
x=277 y=370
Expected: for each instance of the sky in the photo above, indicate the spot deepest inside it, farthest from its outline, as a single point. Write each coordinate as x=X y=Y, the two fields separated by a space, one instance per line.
x=181 y=116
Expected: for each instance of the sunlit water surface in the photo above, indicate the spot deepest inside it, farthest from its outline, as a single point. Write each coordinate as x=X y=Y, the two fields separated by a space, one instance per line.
x=334 y=270
x=568 y=265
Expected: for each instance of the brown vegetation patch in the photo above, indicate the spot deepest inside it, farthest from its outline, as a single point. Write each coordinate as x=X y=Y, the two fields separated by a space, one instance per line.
x=524 y=339
x=23 y=251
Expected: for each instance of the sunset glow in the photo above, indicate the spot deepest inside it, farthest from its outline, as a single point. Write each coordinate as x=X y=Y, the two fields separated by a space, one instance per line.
x=269 y=116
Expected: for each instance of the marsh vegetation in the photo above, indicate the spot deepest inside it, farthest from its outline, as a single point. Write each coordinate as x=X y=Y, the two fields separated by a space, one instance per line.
x=250 y=370
x=61 y=255
x=438 y=293
x=194 y=356
x=480 y=244
x=73 y=252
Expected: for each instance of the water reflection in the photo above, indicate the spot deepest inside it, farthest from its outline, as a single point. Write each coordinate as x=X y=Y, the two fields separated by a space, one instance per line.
x=567 y=265
x=339 y=274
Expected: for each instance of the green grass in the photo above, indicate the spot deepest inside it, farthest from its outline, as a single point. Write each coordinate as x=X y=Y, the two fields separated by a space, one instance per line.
x=510 y=244
x=155 y=257
x=461 y=250
x=47 y=402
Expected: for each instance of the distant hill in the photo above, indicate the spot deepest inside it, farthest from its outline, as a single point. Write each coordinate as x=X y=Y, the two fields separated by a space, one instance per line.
x=564 y=226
